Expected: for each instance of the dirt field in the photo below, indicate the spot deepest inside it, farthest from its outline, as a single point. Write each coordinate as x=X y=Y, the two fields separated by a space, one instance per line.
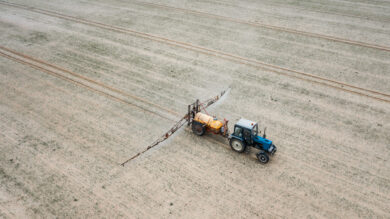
x=84 y=85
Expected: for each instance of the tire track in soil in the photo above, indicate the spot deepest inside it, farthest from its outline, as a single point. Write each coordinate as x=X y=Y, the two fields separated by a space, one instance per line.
x=235 y=58
x=55 y=74
x=319 y=11
x=42 y=69
x=147 y=53
x=83 y=85
x=68 y=136
x=87 y=79
x=138 y=71
x=90 y=102
x=273 y=27
x=341 y=53
x=258 y=24
x=59 y=128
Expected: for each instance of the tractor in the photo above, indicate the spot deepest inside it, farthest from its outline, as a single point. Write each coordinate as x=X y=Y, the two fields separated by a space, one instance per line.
x=245 y=132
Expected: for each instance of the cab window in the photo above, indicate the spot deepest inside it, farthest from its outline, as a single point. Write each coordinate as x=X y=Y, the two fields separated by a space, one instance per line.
x=238 y=131
x=247 y=133
x=254 y=131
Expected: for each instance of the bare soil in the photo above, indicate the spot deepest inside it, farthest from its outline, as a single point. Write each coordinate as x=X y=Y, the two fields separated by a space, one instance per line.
x=61 y=145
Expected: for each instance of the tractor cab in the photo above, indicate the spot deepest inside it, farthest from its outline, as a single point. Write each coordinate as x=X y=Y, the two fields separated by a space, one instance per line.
x=245 y=133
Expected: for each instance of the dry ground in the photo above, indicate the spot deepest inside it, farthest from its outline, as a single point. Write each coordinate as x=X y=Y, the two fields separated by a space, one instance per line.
x=61 y=144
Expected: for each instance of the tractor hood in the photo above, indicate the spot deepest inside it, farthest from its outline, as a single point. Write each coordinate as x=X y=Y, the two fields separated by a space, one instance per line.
x=266 y=144
x=262 y=141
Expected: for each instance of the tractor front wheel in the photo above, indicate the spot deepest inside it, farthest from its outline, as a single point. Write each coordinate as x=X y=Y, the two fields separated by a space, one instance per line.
x=263 y=157
x=198 y=128
x=237 y=145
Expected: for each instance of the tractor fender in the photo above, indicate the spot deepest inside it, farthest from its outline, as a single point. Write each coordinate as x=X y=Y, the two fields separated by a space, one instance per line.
x=231 y=137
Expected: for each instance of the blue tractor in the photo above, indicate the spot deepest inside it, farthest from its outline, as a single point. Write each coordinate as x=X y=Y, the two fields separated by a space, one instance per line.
x=246 y=134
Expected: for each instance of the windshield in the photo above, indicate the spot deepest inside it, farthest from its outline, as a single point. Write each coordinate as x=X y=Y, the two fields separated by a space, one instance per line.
x=254 y=130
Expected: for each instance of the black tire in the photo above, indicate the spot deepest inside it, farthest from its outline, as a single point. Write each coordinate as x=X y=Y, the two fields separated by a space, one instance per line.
x=198 y=128
x=237 y=145
x=262 y=157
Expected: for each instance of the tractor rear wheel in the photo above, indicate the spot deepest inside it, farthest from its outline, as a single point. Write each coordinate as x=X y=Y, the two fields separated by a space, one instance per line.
x=263 y=157
x=237 y=145
x=198 y=128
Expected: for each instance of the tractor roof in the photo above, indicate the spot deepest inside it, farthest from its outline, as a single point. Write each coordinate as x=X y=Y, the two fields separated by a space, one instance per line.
x=246 y=123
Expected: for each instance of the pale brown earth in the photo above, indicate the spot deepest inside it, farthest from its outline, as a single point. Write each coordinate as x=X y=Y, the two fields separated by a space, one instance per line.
x=61 y=144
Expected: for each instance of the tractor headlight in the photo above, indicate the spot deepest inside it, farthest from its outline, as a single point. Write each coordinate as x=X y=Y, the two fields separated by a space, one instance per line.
x=272 y=149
